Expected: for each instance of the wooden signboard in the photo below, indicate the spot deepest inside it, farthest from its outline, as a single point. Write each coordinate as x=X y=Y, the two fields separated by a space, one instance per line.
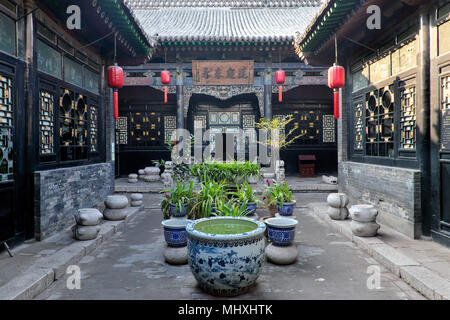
x=218 y=72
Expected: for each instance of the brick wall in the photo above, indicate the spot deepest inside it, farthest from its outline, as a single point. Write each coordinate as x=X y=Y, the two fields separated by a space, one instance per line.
x=394 y=191
x=60 y=192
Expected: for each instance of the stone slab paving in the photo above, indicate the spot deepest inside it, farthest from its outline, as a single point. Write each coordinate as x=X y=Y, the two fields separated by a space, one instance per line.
x=424 y=264
x=295 y=183
x=131 y=266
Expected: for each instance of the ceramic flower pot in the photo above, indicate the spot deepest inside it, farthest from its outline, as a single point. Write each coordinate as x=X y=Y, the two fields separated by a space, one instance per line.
x=226 y=254
x=285 y=209
x=281 y=231
x=251 y=208
x=176 y=212
x=175 y=232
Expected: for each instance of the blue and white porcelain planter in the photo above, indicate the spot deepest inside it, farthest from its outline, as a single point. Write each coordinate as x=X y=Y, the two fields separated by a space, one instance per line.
x=287 y=209
x=226 y=254
x=176 y=212
x=281 y=231
x=251 y=208
x=175 y=232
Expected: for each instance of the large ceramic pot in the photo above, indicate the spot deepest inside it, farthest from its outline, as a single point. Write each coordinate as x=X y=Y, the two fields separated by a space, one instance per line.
x=226 y=254
x=251 y=208
x=285 y=209
x=281 y=231
x=176 y=212
x=175 y=232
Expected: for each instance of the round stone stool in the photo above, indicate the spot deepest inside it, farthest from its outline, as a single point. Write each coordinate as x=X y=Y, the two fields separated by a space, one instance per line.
x=176 y=256
x=282 y=255
x=116 y=202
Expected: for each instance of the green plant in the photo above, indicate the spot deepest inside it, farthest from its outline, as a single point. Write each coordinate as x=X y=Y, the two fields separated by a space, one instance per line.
x=278 y=124
x=211 y=194
x=231 y=208
x=277 y=193
x=229 y=172
x=180 y=195
x=245 y=194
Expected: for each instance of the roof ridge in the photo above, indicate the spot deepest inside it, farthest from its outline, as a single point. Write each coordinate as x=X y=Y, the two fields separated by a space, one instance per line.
x=148 y=4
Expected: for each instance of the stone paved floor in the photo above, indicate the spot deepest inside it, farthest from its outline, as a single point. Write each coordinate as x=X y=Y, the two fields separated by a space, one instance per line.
x=131 y=266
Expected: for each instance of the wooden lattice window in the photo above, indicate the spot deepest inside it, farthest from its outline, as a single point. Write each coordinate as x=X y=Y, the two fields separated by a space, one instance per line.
x=170 y=126
x=122 y=130
x=6 y=130
x=93 y=127
x=359 y=126
x=46 y=122
x=408 y=118
x=380 y=123
x=329 y=135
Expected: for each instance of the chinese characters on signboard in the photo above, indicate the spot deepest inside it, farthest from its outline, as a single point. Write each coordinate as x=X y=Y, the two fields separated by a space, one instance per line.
x=231 y=72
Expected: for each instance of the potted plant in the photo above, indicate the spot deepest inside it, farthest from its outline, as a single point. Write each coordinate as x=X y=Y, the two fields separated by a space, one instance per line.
x=280 y=195
x=208 y=198
x=246 y=197
x=281 y=231
x=268 y=198
x=178 y=199
x=231 y=208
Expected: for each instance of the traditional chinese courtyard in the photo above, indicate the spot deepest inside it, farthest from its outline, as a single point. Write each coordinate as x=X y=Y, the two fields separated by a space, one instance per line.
x=131 y=266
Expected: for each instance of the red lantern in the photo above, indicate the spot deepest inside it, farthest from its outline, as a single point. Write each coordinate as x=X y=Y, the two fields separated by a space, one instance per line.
x=280 y=78
x=336 y=80
x=115 y=81
x=165 y=79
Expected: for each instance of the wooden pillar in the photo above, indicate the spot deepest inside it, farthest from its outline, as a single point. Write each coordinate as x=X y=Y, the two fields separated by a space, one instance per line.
x=268 y=90
x=180 y=106
x=423 y=116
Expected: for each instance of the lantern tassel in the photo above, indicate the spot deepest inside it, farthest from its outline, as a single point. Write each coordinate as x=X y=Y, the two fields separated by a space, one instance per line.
x=165 y=94
x=280 y=93
x=116 y=104
x=336 y=103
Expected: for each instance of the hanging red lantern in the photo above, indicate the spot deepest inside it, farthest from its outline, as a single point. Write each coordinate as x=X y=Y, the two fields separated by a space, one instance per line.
x=165 y=79
x=280 y=78
x=115 y=81
x=336 y=80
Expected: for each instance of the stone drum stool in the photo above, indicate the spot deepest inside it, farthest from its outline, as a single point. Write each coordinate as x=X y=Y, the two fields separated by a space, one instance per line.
x=151 y=174
x=116 y=207
x=132 y=178
x=87 y=221
x=141 y=174
x=337 y=209
x=281 y=233
x=136 y=199
x=363 y=220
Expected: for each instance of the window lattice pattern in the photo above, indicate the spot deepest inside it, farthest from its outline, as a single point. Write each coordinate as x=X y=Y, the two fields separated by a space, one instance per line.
x=446 y=93
x=6 y=130
x=248 y=121
x=170 y=125
x=46 y=123
x=328 y=129
x=200 y=122
x=380 y=123
x=122 y=130
x=408 y=118
x=94 y=128
x=359 y=127
x=73 y=126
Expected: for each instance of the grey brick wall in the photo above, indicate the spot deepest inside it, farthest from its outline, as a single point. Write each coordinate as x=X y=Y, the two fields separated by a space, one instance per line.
x=395 y=192
x=60 y=192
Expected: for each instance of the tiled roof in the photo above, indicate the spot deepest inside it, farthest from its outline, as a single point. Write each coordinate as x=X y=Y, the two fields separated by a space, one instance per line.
x=224 y=23
x=145 y=4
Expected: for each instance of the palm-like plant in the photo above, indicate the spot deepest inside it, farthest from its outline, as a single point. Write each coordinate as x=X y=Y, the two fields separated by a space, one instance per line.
x=245 y=194
x=231 y=208
x=210 y=196
x=181 y=195
x=278 y=193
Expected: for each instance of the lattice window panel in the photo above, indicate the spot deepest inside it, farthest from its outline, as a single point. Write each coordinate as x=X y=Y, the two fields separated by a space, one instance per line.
x=224 y=118
x=380 y=122
x=139 y=128
x=170 y=126
x=309 y=126
x=200 y=122
x=46 y=122
x=93 y=122
x=446 y=93
x=6 y=130
x=408 y=118
x=248 y=121
x=329 y=135
x=359 y=126
x=122 y=130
